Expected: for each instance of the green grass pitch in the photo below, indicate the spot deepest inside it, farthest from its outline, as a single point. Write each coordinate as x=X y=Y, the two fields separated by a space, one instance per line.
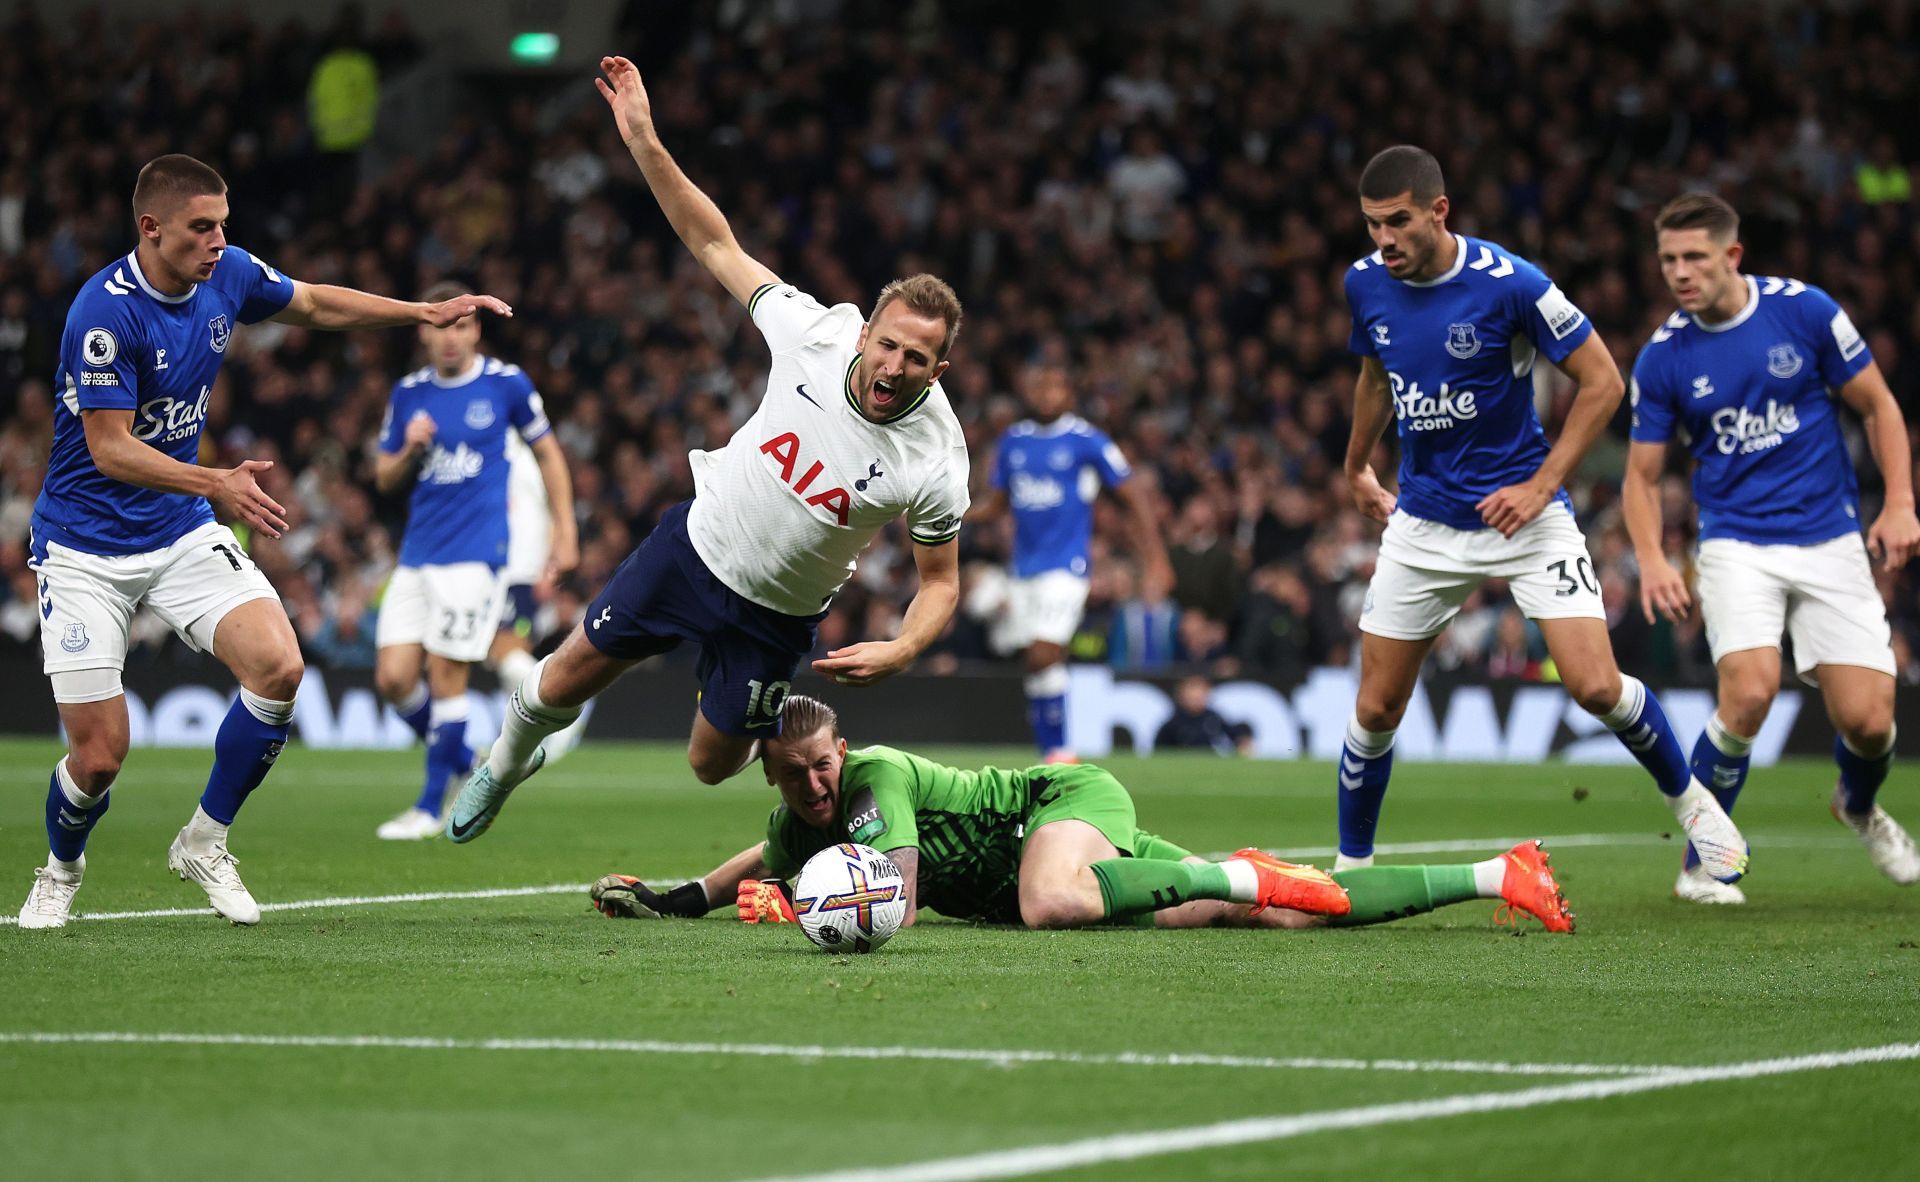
x=1825 y=957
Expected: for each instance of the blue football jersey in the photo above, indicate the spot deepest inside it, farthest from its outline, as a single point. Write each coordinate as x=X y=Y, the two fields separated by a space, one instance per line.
x=1753 y=397
x=1052 y=473
x=127 y=346
x=1459 y=352
x=458 y=512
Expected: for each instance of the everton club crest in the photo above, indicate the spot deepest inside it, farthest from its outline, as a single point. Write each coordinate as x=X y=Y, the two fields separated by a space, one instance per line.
x=221 y=333
x=1462 y=341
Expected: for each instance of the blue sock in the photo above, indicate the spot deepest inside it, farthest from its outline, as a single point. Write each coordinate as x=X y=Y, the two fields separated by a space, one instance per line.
x=1047 y=708
x=68 y=821
x=1642 y=727
x=1366 y=761
x=1720 y=760
x=249 y=740
x=448 y=755
x=416 y=711
x=1861 y=775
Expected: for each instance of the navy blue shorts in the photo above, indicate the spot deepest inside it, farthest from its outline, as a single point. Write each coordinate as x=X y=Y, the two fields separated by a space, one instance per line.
x=663 y=594
x=520 y=611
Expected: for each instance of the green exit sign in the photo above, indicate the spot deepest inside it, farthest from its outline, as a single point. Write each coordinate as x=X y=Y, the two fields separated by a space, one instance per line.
x=534 y=47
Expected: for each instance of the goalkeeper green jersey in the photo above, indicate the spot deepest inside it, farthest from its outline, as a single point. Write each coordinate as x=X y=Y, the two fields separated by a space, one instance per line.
x=968 y=826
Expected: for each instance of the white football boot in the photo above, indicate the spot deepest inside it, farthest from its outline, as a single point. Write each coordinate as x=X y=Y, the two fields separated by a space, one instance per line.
x=1887 y=843
x=1695 y=885
x=50 y=903
x=416 y=824
x=1723 y=852
x=217 y=873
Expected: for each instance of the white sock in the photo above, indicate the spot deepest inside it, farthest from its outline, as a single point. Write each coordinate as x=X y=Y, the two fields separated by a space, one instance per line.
x=1488 y=875
x=1365 y=743
x=1724 y=740
x=416 y=698
x=203 y=832
x=1243 y=885
x=1891 y=736
x=525 y=723
x=271 y=711
x=515 y=665
x=447 y=710
x=1633 y=694
x=70 y=788
x=1343 y=862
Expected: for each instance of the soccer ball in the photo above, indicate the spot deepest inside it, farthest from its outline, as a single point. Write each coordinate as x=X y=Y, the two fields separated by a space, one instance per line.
x=850 y=898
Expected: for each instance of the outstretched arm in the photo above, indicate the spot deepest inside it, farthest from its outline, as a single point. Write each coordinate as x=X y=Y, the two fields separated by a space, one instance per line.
x=563 y=552
x=927 y=616
x=322 y=305
x=234 y=492
x=692 y=213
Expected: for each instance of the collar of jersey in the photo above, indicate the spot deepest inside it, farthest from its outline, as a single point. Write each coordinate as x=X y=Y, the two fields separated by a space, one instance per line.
x=473 y=371
x=140 y=277
x=846 y=387
x=1459 y=264
x=1738 y=318
x=1059 y=426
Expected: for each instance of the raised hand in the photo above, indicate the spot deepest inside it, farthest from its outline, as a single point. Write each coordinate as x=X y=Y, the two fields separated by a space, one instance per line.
x=458 y=308
x=238 y=497
x=863 y=663
x=621 y=87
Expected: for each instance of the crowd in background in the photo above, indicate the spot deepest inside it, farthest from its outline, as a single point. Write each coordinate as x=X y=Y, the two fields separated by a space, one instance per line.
x=1162 y=200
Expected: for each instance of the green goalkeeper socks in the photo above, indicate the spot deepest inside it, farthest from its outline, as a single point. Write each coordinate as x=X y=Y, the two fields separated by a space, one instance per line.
x=1132 y=887
x=1382 y=893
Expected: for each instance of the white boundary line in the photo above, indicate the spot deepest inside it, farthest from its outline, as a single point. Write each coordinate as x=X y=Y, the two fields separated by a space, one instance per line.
x=558 y=888
x=987 y=1056
x=1038 y=1159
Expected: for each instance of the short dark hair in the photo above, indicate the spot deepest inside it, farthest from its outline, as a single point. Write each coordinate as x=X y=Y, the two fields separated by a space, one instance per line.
x=443 y=291
x=1699 y=211
x=167 y=180
x=1402 y=169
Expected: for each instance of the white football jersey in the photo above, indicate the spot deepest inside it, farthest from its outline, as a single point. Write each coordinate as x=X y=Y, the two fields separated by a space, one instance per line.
x=529 y=525
x=781 y=512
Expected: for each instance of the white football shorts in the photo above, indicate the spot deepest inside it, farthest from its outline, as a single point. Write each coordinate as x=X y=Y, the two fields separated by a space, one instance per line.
x=87 y=601
x=453 y=610
x=1822 y=595
x=1046 y=607
x=1426 y=570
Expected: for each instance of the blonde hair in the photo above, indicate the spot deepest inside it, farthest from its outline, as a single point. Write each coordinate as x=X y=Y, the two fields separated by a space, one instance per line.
x=801 y=716
x=929 y=296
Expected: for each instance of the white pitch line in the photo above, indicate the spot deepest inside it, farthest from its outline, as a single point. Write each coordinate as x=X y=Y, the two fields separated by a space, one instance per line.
x=1040 y=1159
x=559 y=888
x=988 y=1056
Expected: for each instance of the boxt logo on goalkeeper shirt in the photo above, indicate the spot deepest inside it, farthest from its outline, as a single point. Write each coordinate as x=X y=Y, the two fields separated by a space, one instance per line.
x=785 y=450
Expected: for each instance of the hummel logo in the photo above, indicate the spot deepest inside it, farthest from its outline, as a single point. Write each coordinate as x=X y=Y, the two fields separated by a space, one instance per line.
x=1725 y=777
x=1350 y=773
x=606 y=613
x=801 y=390
x=1640 y=738
x=70 y=822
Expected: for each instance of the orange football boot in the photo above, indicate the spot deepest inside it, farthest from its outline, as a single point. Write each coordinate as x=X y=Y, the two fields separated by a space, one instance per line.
x=1295 y=887
x=1529 y=885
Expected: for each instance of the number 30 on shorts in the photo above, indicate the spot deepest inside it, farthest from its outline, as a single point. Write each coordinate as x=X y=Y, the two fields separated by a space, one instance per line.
x=1570 y=585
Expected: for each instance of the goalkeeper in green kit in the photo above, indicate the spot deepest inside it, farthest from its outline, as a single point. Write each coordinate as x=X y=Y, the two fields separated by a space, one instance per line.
x=1047 y=847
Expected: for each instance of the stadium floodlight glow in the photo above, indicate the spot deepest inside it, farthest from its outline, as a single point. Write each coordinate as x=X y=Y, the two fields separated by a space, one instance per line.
x=534 y=47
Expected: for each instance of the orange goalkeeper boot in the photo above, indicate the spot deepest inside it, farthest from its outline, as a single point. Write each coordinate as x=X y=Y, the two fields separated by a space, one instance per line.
x=1295 y=887
x=1529 y=885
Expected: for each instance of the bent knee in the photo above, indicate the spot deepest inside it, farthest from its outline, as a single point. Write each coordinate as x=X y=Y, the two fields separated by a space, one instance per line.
x=709 y=770
x=1378 y=712
x=94 y=766
x=1058 y=910
x=279 y=679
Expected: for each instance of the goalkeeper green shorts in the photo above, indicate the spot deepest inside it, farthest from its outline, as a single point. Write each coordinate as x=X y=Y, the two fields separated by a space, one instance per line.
x=1083 y=792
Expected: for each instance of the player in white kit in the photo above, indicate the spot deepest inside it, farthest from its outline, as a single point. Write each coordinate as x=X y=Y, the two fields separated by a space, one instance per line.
x=852 y=432
x=1751 y=371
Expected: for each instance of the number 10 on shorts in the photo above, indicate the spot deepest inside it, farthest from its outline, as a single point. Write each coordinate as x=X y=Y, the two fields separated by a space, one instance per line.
x=764 y=702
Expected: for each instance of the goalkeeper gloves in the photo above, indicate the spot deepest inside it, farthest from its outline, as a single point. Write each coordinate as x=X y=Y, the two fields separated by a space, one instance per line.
x=764 y=900
x=623 y=897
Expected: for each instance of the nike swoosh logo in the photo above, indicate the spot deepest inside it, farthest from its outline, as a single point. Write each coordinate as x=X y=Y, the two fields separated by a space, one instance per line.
x=801 y=390
x=462 y=829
